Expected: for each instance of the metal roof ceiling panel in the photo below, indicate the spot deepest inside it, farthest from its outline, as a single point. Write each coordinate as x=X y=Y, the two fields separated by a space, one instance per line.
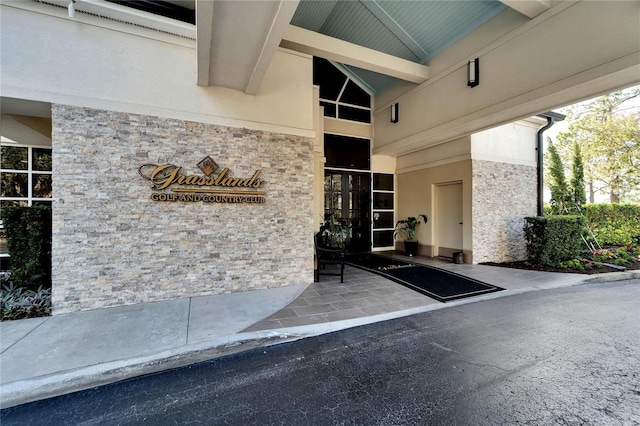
x=412 y=30
x=314 y=14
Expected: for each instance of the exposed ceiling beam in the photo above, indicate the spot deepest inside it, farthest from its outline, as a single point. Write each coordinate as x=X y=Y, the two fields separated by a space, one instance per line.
x=279 y=25
x=334 y=49
x=355 y=77
x=204 y=40
x=393 y=26
x=529 y=8
x=236 y=40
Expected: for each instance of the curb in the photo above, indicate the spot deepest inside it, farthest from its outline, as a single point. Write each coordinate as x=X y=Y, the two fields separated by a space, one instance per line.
x=614 y=276
x=52 y=385
x=38 y=388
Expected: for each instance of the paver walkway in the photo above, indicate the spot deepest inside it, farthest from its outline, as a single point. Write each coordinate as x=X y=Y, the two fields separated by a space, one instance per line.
x=365 y=294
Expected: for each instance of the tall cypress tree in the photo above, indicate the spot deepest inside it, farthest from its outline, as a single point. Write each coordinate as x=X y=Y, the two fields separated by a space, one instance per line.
x=577 y=178
x=560 y=193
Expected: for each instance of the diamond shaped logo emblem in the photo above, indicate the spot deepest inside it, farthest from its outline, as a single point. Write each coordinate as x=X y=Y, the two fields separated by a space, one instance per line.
x=208 y=166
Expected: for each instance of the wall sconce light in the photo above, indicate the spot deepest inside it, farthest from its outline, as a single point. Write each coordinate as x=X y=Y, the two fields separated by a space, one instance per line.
x=72 y=9
x=394 y=113
x=473 y=72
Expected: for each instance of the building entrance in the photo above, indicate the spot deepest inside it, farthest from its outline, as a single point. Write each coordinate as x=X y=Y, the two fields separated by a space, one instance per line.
x=347 y=195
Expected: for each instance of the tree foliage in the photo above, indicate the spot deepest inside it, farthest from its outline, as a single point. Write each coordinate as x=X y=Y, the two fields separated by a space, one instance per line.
x=579 y=196
x=607 y=131
x=29 y=243
x=560 y=191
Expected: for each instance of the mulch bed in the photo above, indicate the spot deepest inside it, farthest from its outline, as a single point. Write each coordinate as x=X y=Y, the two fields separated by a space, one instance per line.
x=533 y=267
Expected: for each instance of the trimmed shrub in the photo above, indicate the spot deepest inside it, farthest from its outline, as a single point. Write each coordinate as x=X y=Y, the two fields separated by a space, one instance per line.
x=553 y=239
x=28 y=231
x=613 y=224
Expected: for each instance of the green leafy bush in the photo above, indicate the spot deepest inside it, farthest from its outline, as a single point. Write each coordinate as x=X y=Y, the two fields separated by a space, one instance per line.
x=577 y=264
x=28 y=231
x=18 y=302
x=553 y=239
x=614 y=224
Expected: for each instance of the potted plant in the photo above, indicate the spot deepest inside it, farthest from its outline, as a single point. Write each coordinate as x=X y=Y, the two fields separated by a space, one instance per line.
x=334 y=232
x=406 y=229
x=331 y=245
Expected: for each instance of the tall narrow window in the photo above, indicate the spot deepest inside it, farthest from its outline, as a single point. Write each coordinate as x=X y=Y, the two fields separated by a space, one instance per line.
x=383 y=210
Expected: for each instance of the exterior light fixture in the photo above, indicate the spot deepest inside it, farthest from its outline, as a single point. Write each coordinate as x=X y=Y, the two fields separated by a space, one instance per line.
x=72 y=9
x=473 y=72
x=394 y=113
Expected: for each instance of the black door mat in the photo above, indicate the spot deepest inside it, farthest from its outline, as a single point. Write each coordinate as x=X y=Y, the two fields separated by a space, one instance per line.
x=433 y=282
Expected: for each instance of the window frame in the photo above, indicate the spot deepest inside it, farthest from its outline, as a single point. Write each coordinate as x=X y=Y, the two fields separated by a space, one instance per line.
x=338 y=103
x=30 y=199
x=29 y=172
x=378 y=210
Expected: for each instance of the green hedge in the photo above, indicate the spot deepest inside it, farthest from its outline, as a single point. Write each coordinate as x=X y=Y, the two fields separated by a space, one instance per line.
x=553 y=239
x=28 y=231
x=613 y=224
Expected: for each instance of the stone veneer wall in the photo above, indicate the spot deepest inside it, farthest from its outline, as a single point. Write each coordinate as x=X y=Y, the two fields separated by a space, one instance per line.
x=503 y=195
x=113 y=245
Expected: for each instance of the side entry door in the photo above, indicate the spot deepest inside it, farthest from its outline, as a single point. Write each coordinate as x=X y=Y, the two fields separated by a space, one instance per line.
x=448 y=223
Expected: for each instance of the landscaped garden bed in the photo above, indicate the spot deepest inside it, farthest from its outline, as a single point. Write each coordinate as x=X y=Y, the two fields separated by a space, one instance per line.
x=605 y=239
x=25 y=291
x=19 y=302
x=627 y=257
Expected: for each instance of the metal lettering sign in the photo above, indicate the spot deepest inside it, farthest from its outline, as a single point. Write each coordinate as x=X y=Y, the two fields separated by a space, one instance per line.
x=171 y=185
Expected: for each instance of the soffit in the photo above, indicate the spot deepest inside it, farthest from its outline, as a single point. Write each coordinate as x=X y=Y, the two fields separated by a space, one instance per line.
x=241 y=36
x=412 y=30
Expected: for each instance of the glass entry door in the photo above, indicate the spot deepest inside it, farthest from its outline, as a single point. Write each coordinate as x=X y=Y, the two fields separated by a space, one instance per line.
x=348 y=196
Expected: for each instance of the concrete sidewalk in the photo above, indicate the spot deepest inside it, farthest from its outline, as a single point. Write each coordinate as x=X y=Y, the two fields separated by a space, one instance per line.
x=44 y=357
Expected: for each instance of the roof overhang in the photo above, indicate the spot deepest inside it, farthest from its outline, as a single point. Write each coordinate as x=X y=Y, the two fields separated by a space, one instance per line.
x=236 y=40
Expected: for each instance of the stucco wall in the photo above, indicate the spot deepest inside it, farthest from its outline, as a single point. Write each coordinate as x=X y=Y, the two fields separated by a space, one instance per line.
x=511 y=143
x=102 y=64
x=415 y=195
x=113 y=245
x=524 y=70
x=497 y=169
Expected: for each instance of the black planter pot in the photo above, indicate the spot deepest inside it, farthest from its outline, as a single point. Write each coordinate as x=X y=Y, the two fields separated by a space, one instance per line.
x=411 y=248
